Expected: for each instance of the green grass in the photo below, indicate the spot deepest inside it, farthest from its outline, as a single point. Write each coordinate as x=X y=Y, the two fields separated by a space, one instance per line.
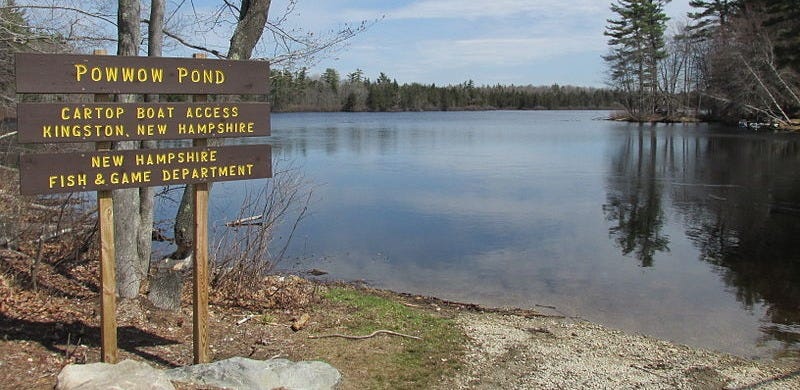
x=397 y=362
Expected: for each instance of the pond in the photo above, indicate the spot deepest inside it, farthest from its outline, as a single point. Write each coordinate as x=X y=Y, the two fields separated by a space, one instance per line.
x=682 y=232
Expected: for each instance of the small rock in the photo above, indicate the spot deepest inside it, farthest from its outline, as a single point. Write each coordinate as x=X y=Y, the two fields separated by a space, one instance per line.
x=317 y=272
x=301 y=322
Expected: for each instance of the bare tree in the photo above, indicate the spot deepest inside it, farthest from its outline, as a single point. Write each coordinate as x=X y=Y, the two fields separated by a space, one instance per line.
x=127 y=219
x=93 y=23
x=155 y=43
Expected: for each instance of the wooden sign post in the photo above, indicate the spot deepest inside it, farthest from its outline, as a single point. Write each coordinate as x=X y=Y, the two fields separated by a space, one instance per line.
x=106 y=169
x=108 y=274
x=200 y=270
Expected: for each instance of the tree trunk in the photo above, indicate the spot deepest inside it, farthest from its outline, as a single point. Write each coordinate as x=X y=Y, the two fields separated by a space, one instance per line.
x=130 y=270
x=252 y=19
x=166 y=279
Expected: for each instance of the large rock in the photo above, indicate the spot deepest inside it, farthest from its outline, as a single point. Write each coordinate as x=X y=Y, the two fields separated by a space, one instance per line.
x=234 y=373
x=242 y=373
x=126 y=375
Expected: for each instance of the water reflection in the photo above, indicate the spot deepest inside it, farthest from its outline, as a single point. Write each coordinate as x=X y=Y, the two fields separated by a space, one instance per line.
x=634 y=197
x=737 y=197
x=681 y=232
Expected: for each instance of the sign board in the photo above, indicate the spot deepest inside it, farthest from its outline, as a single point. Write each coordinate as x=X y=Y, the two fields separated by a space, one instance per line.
x=105 y=170
x=115 y=169
x=70 y=122
x=68 y=73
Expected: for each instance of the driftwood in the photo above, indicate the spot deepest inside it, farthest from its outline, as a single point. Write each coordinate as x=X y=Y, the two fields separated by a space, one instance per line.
x=245 y=221
x=373 y=334
x=245 y=319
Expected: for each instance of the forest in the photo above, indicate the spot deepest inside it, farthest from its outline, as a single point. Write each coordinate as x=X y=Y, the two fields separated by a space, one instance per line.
x=732 y=60
x=297 y=91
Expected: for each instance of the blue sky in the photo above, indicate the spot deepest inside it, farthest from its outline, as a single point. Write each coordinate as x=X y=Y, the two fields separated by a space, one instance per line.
x=521 y=42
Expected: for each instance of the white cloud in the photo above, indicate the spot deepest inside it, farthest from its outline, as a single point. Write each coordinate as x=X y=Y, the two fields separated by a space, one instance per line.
x=459 y=9
x=503 y=51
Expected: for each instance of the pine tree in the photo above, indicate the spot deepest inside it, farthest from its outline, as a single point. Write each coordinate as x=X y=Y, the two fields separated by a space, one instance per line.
x=636 y=38
x=783 y=19
x=710 y=16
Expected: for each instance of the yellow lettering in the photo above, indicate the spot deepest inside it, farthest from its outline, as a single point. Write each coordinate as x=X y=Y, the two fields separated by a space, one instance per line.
x=127 y=74
x=96 y=74
x=182 y=72
x=80 y=70
x=204 y=76
x=67 y=181
x=144 y=130
x=100 y=162
x=157 y=74
x=112 y=74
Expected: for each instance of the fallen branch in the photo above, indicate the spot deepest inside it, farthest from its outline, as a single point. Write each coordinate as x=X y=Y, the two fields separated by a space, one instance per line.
x=9 y=168
x=8 y=134
x=49 y=236
x=34 y=206
x=373 y=334
x=243 y=221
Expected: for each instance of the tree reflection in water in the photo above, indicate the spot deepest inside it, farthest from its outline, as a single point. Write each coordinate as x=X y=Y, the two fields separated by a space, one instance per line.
x=738 y=196
x=634 y=198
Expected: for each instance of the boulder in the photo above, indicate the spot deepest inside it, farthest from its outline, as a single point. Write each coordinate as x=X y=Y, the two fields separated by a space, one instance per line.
x=125 y=375
x=243 y=373
x=234 y=373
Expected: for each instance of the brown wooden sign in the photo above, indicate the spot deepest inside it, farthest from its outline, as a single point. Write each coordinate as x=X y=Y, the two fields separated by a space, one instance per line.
x=69 y=73
x=65 y=122
x=110 y=170
x=105 y=170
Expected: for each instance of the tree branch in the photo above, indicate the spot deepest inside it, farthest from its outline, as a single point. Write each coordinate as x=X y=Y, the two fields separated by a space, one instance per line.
x=188 y=44
x=62 y=8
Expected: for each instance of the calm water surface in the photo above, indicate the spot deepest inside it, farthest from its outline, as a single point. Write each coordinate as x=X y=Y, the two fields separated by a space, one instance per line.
x=683 y=232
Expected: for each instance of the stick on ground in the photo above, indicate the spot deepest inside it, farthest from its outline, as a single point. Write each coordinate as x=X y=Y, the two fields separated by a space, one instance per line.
x=373 y=334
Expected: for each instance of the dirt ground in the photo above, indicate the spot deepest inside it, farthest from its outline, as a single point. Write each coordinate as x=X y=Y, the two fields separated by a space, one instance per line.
x=41 y=331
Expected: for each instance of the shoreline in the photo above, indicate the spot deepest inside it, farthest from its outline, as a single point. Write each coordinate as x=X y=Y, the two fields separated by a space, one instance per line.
x=519 y=348
x=461 y=345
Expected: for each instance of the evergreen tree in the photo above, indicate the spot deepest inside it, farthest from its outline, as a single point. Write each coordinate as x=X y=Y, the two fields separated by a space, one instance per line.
x=331 y=78
x=636 y=38
x=709 y=16
x=783 y=19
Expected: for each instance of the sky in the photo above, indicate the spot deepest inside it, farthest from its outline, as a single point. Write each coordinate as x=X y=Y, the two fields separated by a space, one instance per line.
x=522 y=42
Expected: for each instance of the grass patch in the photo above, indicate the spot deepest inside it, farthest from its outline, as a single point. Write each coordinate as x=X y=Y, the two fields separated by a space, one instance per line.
x=388 y=361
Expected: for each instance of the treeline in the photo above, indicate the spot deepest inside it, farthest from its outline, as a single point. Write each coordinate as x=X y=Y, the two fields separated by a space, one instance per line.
x=297 y=91
x=733 y=59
